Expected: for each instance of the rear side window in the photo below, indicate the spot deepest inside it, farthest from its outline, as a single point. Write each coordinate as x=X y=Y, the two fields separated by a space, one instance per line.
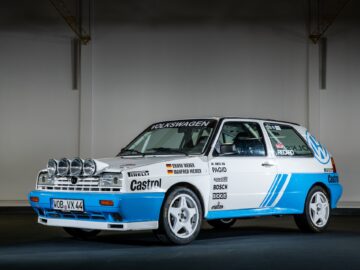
x=286 y=141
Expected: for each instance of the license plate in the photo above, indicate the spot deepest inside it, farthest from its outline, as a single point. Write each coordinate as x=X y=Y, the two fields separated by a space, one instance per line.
x=68 y=205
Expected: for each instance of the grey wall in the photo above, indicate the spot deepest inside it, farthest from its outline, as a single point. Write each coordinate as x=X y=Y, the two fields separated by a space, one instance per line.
x=38 y=109
x=156 y=68
x=150 y=61
x=339 y=103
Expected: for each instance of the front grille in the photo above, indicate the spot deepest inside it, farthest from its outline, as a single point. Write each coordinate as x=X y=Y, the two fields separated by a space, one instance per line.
x=89 y=184
x=78 y=189
x=81 y=182
x=73 y=215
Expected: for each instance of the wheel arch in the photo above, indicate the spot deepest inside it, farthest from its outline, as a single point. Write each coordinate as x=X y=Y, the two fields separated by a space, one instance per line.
x=322 y=185
x=192 y=188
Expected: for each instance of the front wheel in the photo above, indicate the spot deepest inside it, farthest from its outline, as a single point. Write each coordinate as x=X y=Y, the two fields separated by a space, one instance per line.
x=81 y=233
x=223 y=223
x=181 y=217
x=317 y=211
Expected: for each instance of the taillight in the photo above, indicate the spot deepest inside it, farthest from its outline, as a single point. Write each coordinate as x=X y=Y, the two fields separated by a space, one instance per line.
x=333 y=164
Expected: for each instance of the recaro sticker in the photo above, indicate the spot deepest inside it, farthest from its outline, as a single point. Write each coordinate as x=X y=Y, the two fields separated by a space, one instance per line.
x=320 y=152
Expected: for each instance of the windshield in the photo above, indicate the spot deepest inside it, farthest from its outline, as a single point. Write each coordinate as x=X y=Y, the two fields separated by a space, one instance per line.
x=187 y=137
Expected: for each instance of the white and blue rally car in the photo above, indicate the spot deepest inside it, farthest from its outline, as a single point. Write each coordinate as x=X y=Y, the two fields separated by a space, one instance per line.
x=177 y=173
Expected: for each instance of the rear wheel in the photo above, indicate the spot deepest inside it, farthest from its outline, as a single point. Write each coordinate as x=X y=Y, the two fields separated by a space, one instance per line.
x=181 y=217
x=223 y=223
x=81 y=233
x=317 y=211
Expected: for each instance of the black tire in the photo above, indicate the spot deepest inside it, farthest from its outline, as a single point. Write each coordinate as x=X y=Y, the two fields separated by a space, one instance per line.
x=81 y=233
x=305 y=221
x=223 y=223
x=165 y=232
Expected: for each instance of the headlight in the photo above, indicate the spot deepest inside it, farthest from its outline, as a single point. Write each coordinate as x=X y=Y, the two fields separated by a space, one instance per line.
x=52 y=167
x=89 y=167
x=63 y=167
x=76 y=167
x=111 y=180
x=44 y=179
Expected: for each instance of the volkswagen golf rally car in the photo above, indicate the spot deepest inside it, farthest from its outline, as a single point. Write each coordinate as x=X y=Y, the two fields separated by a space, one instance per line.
x=177 y=173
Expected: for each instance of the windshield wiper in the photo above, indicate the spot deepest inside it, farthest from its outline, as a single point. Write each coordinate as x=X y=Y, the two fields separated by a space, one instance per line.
x=131 y=151
x=168 y=150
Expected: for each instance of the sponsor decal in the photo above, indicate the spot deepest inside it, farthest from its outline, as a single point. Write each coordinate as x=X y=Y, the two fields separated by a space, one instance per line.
x=138 y=173
x=218 y=167
x=177 y=124
x=220 y=186
x=182 y=168
x=328 y=170
x=217 y=206
x=298 y=148
x=221 y=179
x=333 y=179
x=320 y=152
x=138 y=185
x=279 y=146
x=273 y=127
x=285 y=152
x=219 y=196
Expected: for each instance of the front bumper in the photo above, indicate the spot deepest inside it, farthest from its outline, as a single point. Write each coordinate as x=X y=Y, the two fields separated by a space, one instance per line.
x=131 y=211
x=95 y=225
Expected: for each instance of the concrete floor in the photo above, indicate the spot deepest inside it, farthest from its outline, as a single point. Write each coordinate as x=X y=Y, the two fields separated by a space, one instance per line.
x=263 y=243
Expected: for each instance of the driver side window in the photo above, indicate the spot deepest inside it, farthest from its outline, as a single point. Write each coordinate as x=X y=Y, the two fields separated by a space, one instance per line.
x=241 y=139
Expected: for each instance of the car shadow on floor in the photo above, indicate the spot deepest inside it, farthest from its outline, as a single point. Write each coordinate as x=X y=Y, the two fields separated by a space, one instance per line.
x=149 y=239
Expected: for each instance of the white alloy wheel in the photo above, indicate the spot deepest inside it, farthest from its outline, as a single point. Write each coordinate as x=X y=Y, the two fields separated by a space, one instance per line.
x=183 y=216
x=319 y=209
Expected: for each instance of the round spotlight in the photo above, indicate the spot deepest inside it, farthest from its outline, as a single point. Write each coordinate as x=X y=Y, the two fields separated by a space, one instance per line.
x=89 y=167
x=63 y=167
x=52 y=167
x=76 y=167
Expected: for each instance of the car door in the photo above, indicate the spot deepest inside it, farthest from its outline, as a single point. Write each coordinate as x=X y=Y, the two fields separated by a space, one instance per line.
x=241 y=167
x=293 y=158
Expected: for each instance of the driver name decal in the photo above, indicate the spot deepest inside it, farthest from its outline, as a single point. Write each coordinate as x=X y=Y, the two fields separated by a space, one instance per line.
x=182 y=168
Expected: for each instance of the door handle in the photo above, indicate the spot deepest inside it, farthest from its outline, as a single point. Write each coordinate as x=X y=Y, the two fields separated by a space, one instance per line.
x=267 y=164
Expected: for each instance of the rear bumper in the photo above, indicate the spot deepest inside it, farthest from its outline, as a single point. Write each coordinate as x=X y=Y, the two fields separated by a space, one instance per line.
x=336 y=191
x=131 y=211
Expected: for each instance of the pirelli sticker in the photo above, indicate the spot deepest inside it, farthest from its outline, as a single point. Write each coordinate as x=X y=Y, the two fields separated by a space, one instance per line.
x=182 y=168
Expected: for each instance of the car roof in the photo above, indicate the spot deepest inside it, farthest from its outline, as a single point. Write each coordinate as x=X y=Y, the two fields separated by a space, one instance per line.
x=261 y=119
x=235 y=117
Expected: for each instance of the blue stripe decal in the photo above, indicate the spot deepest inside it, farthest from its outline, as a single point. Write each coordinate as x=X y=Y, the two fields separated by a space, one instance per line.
x=270 y=192
x=278 y=188
x=292 y=200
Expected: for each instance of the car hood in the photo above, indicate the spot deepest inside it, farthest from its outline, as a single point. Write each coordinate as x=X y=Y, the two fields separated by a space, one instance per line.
x=124 y=163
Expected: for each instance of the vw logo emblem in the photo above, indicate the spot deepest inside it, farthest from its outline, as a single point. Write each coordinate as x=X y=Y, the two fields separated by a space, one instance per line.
x=320 y=152
x=73 y=180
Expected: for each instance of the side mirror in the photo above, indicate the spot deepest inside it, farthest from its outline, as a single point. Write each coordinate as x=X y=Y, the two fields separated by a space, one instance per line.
x=226 y=149
x=121 y=150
